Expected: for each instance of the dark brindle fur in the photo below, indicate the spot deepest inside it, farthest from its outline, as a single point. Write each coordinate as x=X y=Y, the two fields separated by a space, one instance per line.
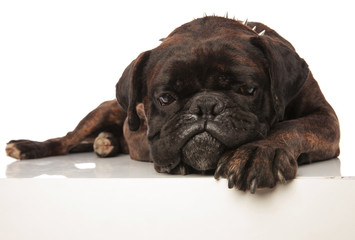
x=217 y=96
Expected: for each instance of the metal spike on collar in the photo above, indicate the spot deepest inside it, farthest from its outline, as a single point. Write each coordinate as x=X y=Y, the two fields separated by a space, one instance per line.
x=254 y=28
x=262 y=33
x=245 y=22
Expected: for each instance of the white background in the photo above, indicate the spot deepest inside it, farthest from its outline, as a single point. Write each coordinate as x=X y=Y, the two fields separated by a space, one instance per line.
x=60 y=59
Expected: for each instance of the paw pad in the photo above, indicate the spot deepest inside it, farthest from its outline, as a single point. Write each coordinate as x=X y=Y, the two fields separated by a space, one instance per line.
x=13 y=151
x=105 y=145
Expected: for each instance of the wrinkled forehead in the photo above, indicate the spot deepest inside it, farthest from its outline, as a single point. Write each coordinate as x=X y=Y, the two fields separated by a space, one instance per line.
x=211 y=64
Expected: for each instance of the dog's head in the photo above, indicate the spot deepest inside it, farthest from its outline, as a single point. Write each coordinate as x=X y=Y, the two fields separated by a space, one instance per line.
x=211 y=86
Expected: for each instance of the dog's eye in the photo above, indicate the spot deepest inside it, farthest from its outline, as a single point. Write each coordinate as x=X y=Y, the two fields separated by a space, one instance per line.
x=166 y=99
x=245 y=90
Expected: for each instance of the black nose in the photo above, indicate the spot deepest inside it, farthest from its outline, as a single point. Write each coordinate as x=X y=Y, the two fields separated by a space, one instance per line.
x=206 y=104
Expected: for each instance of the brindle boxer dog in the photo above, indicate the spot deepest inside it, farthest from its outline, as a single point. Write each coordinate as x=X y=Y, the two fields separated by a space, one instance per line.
x=216 y=95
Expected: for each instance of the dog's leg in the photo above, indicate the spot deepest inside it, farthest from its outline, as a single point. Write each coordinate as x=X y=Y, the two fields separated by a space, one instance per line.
x=309 y=133
x=109 y=116
x=85 y=145
x=137 y=141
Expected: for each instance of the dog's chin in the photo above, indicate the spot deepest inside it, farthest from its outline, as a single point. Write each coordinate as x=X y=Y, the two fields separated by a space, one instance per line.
x=202 y=152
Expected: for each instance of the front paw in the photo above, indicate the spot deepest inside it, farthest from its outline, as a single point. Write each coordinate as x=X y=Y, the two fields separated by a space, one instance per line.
x=257 y=165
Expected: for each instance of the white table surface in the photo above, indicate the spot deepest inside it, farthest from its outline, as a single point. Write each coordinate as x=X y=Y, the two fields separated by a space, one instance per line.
x=88 y=165
x=81 y=196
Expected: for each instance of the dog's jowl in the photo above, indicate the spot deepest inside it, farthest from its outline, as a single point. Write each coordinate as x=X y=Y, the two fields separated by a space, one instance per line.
x=216 y=96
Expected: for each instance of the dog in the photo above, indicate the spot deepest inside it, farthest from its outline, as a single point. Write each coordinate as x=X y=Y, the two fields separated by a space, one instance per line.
x=216 y=96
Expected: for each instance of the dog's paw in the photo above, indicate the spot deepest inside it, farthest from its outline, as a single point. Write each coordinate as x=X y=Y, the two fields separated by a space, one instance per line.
x=106 y=145
x=257 y=165
x=26 y=149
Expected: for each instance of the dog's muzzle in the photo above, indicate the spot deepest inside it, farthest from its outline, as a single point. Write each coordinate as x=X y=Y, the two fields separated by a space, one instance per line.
x=203 y=150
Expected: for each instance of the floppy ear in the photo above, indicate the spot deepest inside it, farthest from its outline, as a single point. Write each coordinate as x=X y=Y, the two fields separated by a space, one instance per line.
x=129 y=89
x=288 y=72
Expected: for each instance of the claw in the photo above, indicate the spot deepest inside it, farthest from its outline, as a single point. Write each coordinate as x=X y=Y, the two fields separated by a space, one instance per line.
x=218 y=172
x=253 y=186
x=231 y=181
x=281 y=177
x=239 y=183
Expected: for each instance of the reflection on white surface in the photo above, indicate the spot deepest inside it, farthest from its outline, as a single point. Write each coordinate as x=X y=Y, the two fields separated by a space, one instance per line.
x=85 y=165
x=46 y=176
x=88 y=165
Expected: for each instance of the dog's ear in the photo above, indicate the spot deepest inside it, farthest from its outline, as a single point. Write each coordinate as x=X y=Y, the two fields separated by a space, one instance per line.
x=129 y=89
x=288 y=72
